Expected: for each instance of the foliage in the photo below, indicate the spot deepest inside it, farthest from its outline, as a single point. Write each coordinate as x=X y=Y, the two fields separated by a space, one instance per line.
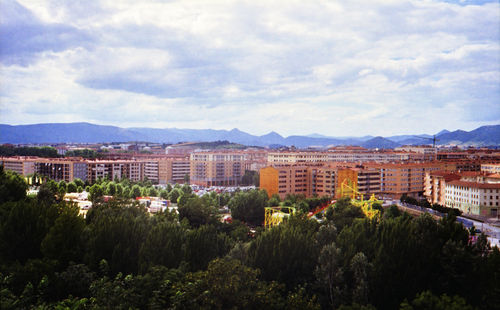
x=250 y=177
x=428 y=301
x=121 y=257
x=96 y=192
x=44 y=151
x=64 y=242
x=12 y=186
x=285 y=253
x=425 y=204
x=249 y=206
x=204 y=244
x=197 y=211
x=343 y=213
x=163 y=246
x=85 y=153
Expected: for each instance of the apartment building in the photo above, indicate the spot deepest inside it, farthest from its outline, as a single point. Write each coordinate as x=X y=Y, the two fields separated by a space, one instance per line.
x=435 y=185
x=19 y=164
x=322 y=180
x=462 y=165
x=429 y=152
x=284 y=180
x=151 y=170
x=173 y=170
x=318 y=180
x=404 y=178
x=217 y=168
x=491 y=168
x=473 y=197
x=115 y=169
x=301 y=158
x=58 y=169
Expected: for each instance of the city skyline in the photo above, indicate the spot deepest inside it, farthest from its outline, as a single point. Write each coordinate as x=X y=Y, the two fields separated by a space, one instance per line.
x=337 y=69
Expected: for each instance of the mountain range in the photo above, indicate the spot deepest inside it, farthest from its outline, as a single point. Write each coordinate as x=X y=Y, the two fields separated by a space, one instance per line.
x=91 y=133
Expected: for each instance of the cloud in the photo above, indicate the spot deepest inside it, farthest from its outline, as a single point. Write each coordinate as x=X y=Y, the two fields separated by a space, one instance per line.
x=24 y=36
x=356 y=67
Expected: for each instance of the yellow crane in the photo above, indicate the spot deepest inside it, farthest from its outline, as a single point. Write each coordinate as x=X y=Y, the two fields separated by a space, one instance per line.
x=275 y=215
x=349 y=189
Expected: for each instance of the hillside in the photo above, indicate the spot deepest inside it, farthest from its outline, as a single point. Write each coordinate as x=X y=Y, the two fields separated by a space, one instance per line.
x=91 y=133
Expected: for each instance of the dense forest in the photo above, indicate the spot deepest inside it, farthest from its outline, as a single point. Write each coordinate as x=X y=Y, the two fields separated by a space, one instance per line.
x=43 y=151
x=121 y=257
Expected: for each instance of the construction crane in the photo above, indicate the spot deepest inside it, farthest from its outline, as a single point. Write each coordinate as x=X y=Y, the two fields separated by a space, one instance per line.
x=350 y=189
x=433 y=139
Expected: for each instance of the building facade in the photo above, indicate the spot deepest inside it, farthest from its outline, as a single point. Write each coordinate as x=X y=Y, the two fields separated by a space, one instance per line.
x=473 y=197
x=217 y=168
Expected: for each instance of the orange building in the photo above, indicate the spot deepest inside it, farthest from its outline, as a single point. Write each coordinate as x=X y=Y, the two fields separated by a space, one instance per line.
x=406 y=178
x=284 y=180
x=320 y=181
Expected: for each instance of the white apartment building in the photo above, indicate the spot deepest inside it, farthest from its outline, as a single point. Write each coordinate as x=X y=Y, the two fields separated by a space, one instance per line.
x=274 y=158
x=473 y=197
x=491 y=168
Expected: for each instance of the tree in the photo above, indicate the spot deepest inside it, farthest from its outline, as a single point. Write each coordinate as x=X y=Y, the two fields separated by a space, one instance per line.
x=285 y=253
x=360 y=268
x=228 y=284
x=64 y=240
x=164 y=194
x=274 y=201
x=174 y=195
x=186 y=189
x=343 y=213
x=79 y=182
x=249 y=206
x=392 y=212
x=115 y=233
x=72 y=188
x=47 y=192
x=96 y=193
x=62 y=188
x=329 y=273
x=163 y=246
x=326 y=234
x=204 y=244
x=196 y=211
x=111 y=189
x=428 y=301
x=135 y=191
x=152 y=192
x=250 y=177
x=23 y=226
x=12 y=186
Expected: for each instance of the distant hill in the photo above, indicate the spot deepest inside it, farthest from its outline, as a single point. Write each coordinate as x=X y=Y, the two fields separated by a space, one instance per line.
x=91 y=133
x=380 y=143
x=482 y=136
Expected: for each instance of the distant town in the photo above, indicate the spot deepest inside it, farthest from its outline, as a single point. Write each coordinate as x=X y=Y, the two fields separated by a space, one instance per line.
x=467 y=179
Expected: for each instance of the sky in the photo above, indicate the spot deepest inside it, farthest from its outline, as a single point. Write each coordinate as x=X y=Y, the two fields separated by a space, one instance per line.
x=335 y=68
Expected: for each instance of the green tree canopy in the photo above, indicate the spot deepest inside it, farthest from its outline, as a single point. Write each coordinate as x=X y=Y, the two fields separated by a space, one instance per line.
x=249 y=206
x=12 y=186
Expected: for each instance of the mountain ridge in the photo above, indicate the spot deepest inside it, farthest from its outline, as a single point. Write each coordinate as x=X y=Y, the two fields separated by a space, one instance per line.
x=84 y=132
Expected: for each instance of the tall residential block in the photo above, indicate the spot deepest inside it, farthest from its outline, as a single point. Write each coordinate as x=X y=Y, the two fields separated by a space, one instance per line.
x=217 y=168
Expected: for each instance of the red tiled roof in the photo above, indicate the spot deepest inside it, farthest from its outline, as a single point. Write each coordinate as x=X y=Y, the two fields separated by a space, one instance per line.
x=475 y=184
